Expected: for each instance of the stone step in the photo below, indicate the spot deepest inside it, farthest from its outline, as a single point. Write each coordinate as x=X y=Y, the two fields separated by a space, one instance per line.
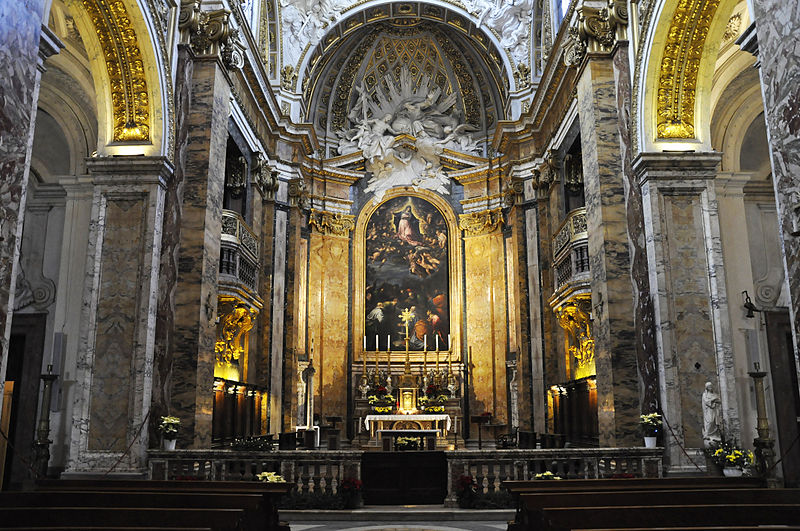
x=400 y=513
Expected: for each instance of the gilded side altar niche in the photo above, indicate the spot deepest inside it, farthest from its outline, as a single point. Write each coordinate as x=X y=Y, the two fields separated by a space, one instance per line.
x=575 y=318
x=235 y=321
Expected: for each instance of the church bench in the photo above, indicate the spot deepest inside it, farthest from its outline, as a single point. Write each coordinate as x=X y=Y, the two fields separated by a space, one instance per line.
x=107 y=528
x=660 y=497
x=266 y=514
x=700 y=482
x=137 y=517
x=702 y=528
x=670 y=516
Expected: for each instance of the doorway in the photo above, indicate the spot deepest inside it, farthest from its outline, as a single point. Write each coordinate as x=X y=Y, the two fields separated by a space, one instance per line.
x=24 y=368
x=787 y=398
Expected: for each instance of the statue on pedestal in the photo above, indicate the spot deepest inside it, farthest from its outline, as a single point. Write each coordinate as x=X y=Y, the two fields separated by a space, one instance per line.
x=712 y=417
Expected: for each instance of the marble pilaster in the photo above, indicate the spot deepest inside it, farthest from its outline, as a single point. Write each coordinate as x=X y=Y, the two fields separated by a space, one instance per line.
x=279 y=291
x=689 y=293
x=328 y=312
x=618 y=400
x=283 y=410
x=778 y=28
x=19 y=90
x=196 y=291
x=114 y=366
x=170 y=245
x=486 y=323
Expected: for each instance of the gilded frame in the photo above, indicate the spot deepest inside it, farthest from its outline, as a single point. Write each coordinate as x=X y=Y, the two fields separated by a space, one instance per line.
x=456 y=273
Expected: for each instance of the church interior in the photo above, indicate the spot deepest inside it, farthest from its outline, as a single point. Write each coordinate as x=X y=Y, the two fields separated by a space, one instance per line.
x=314 y=234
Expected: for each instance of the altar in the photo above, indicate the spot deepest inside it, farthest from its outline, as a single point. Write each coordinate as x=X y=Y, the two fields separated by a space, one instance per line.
x=440 y=424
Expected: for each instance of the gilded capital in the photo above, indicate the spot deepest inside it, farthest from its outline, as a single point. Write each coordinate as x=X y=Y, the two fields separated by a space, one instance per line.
x=331 y=223
x=289 y=78
x=482 y=222
x=214 y=36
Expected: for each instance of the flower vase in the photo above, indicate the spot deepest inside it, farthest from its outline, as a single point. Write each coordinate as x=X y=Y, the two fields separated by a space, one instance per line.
x=650 y=442
x=168 y=444
x=732 y=472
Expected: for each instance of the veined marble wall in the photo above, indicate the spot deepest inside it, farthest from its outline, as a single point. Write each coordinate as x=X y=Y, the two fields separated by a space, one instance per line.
x=328 y=313
x=778 y=28
x=19 y=90
x=690 y=296
x=114 y=366
x=486 y=321
x=609 y=256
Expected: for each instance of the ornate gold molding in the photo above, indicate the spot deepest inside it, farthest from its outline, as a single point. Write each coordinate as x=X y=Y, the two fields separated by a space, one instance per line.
x=331 y=223
x=130 y=100
x=677 y=79
x=483 y=222
x=575 y=318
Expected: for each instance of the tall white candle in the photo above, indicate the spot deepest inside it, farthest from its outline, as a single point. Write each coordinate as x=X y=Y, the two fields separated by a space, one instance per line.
x=437 y=342
x=389 y=342
x=377 y=346
x=365 y=342
x=425 y=342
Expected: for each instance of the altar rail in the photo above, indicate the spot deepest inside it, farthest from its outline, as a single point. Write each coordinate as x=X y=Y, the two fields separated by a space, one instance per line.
x=323 y=471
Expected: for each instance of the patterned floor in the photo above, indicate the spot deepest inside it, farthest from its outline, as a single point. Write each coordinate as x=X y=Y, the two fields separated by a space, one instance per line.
x=395 y=526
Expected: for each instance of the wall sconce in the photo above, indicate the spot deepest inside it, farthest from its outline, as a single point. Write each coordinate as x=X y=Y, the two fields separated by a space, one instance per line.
x=749 y=306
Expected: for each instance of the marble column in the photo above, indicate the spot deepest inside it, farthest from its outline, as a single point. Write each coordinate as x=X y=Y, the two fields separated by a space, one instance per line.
x=21 y=57
x=485 y=311
x=115 y=354
x=618 y=401
x=284 y=409
x=689 y=295
x=196 y=290
x=778 y=27
x=170 y=245
x=329 y=309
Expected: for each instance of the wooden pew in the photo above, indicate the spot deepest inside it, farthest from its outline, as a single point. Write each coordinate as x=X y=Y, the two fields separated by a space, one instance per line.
x=262 y=515
x=668 y=516
x=138 y=517
x=564 y=486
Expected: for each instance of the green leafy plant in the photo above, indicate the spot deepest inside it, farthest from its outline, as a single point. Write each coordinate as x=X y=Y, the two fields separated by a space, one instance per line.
x=651 y=424
x=168 y=427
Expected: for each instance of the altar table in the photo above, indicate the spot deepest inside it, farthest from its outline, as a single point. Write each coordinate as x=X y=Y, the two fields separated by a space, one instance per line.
x=427 y=437
x=371 y=420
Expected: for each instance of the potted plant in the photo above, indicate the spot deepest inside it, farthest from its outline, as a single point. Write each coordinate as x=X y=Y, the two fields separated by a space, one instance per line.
x=651 y=424
x=270 y=477
x=168 y=427
x=350 y=489
x=731 y=458
x=381 y=401
x=466 y=491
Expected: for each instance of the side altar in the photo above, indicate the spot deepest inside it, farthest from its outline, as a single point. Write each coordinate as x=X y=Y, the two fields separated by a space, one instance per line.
x=412 y=398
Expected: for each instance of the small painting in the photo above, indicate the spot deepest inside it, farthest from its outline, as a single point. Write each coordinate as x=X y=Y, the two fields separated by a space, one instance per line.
x=407 y=268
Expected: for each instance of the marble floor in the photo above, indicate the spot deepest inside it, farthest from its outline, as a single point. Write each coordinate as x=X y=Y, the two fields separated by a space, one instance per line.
x=399 y=518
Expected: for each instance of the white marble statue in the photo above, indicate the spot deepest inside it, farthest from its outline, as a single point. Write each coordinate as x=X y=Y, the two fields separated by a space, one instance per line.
x=305 y=22
x=511 y=21
x=423 y=113
x=712 y=417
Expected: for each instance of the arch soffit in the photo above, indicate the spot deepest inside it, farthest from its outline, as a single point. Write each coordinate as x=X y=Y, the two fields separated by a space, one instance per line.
x=453 y=248
x=681 y=51
x=374 y=11
x=127 y=77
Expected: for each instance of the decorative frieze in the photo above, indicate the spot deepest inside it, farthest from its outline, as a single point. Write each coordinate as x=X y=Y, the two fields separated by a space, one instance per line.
x=331 y=223
x=483 y=222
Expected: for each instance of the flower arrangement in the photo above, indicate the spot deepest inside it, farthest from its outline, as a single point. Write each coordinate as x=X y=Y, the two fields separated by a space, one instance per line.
x=432 y=403
x=466 y=490
x=351 y=485
x=380 y=400
x=729 y=455
x=270 y=477
x=168 y=427
x=547 y=476
x=650 y=423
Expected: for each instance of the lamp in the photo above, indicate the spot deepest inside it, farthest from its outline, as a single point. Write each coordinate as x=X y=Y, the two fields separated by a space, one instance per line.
x=749 y=306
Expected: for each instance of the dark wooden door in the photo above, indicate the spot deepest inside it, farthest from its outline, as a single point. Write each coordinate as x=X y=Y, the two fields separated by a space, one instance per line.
x=787 y=400
x=404 y=478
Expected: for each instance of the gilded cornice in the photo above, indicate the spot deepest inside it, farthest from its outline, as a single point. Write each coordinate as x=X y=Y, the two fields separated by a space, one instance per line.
x=680 y=63
x=130 y=101
x=331 y=223
x=479 y=223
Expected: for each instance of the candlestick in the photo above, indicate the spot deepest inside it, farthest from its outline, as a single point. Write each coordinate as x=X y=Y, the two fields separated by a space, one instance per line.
x=437 y=358
x=424 y=361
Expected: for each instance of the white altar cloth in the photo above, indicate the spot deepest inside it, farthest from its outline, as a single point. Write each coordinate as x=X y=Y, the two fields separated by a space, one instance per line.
x=369 y=419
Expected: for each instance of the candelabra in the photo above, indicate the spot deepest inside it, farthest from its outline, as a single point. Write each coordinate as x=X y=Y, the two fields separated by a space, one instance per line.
x=764 y=444
x=42 y=444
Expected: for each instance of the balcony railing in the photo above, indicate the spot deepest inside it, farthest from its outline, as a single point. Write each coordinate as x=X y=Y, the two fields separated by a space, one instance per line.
x=323 y=471
x=238 y=260
x=571 y=250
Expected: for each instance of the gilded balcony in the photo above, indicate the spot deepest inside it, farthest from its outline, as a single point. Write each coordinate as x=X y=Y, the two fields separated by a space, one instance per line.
x=571 y=257
x=238 y=259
